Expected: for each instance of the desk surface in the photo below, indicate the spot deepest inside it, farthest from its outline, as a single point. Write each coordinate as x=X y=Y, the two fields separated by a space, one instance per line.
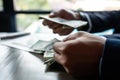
x=16 y=64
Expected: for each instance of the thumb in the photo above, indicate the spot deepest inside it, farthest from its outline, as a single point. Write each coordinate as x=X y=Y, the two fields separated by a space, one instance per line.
x=70 y=37
x=52 y=14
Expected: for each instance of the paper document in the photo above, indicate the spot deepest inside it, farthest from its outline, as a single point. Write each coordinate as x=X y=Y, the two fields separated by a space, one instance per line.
x=66 y=23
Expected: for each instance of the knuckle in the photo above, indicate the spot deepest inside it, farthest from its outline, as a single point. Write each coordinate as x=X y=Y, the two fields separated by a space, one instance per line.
x=82 y=32
x=64 y=62
x=62 y=10
x=44 y=22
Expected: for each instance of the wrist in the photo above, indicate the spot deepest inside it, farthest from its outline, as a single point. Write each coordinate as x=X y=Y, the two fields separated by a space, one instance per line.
x=85 y=17
x=78 y=17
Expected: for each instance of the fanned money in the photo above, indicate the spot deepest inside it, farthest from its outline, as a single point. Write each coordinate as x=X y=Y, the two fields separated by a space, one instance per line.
x=48 y=54
x=46 y=49
x=66 y=23
x=49 y=57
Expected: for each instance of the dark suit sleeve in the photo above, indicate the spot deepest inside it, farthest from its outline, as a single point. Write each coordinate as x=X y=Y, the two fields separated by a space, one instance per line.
x=110 y=61
x=103 y=20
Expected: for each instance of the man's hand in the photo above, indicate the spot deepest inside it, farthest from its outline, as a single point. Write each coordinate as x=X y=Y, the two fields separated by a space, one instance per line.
x=80 y=53
x=65 y=14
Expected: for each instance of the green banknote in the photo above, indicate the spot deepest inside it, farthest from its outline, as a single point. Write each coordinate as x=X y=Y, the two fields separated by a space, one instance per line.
x=46 y=49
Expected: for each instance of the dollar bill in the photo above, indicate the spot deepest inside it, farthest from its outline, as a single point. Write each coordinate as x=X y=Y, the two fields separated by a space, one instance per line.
x=42 y=45
x=49 y=57
x=66 y=23
x=48 y=54
x=46 y=49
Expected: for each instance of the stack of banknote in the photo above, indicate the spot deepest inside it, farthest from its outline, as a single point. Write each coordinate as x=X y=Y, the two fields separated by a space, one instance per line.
x=45 y=48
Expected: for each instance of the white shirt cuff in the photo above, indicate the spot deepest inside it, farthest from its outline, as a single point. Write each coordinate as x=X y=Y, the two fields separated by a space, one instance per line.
x=88 y=19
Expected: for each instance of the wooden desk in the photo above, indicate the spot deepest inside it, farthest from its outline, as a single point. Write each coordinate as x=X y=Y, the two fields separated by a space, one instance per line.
x=16 y=64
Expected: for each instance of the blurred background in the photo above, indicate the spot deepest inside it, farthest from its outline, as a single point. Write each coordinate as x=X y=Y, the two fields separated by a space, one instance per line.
x=17 y=15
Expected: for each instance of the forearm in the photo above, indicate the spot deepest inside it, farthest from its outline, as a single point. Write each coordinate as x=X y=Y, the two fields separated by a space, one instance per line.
x=110 y=60
x=99 y=21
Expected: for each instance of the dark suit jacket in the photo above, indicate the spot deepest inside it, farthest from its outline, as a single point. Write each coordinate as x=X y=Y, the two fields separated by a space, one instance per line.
x=105 y=20
x=110 y=61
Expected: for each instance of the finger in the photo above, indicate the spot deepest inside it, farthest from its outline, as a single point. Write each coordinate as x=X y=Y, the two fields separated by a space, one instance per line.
x=57 y=30
x=62 y=31
x=57 y=58
x=55 y=26
x=70 y=37
x=44 y=22
x=47 y=22
x=58 y=47
x=54 y=13
x=66 y=31
x=74 y=36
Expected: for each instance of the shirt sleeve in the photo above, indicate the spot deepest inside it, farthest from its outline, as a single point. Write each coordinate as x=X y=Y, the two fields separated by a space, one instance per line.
x=85 y=17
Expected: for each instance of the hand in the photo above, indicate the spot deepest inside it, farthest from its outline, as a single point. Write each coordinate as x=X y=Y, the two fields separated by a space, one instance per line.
x=65 y=14
x=80 y=53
